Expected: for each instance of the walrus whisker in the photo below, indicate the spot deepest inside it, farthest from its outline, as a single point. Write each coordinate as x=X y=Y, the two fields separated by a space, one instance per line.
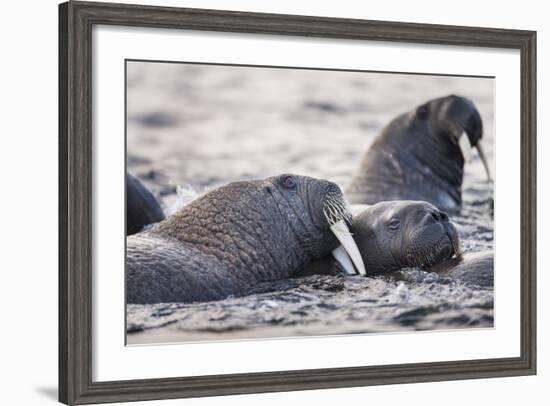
x=332 y=211
x=344 y=210
x=430 y=256
x=335 y=202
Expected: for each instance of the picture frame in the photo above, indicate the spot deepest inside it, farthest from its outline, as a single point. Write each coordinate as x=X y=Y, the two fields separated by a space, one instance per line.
x=76 y=256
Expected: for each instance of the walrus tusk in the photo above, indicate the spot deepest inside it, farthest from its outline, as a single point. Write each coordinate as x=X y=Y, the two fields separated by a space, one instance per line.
x=344 y=260
x=341 y=231
x=465 y=147
x=481 y=153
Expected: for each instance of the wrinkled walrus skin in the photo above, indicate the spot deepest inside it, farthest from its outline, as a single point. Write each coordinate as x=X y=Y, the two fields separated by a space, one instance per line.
x=230 y=239
x=418 y=157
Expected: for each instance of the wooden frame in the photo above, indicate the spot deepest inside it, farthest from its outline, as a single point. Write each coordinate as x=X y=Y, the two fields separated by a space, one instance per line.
x=76 y=20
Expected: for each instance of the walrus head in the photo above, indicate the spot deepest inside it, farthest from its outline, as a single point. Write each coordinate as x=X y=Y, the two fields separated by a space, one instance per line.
x=399 y=234
x=271 y=227
x=323 y=203
x=420 y=155
x=452 y=117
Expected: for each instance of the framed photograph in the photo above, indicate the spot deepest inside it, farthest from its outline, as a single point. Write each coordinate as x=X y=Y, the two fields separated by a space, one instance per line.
x=259 y=202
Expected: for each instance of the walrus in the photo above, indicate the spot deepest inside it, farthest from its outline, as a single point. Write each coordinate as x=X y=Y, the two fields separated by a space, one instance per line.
x=236 y=236
x=420 y=156
x=394 y=235
x=397 y=235
x=142 y=208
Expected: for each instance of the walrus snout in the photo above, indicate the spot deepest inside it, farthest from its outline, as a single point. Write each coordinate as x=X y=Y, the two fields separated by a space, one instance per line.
x=452 y=234
x=431 y=237
x=450 y=231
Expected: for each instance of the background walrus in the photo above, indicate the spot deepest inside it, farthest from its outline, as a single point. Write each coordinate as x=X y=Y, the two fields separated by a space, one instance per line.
x=234 y=237
x=142 y=208
x=418 y=156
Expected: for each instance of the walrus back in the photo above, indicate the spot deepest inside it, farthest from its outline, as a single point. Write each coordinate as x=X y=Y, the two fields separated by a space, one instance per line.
x=475 y=268
x=162 y=270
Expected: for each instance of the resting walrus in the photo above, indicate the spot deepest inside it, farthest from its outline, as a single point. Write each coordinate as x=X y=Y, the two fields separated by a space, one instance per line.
x=234 y=237
x=395 y=235
x=419 y=156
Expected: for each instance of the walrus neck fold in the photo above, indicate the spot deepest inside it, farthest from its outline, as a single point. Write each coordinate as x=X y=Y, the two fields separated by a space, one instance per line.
x=443 y=157
x=311 y=241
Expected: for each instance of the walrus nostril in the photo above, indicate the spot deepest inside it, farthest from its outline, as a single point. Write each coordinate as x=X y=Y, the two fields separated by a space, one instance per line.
x=335 y=208
x=444 y=216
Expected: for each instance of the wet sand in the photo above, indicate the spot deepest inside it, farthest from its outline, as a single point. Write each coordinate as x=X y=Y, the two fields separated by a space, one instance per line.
x=193 y=127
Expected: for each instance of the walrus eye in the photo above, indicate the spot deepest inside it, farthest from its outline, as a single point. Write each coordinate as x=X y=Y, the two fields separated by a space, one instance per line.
x=394 y=224
x=422 y=111
x=289 y=182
